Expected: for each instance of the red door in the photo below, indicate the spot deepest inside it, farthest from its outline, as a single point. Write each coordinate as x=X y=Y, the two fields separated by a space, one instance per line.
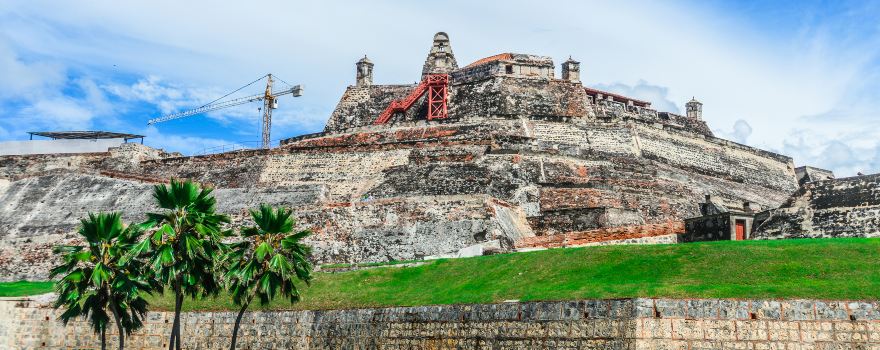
x=740 y=230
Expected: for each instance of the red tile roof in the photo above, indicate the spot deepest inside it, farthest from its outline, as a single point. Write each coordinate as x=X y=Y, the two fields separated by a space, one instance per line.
x=493 y=58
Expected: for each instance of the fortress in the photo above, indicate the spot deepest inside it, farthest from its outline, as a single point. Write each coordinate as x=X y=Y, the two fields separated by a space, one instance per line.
x=520 y=159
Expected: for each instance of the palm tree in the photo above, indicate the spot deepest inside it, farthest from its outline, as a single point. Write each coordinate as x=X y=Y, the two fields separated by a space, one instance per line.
x=183 y=241
x=267 y=262
x=97 y=278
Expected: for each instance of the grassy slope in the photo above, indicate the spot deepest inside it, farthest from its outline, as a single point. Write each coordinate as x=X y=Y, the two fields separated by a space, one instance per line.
x=825 y=269
x=15 y=289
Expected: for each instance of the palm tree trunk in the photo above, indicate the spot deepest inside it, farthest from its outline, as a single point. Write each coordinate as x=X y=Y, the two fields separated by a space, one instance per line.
x=178 y=307
x=178 y=302
x=103 y=338
x=118 y=325
x=237 y=324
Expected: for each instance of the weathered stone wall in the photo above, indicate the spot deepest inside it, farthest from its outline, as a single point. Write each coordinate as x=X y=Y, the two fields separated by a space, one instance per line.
x=846 y=207
x=424 y=189
x=13 y=167
x=588 y=324
x=125 y=157
x=37 y=213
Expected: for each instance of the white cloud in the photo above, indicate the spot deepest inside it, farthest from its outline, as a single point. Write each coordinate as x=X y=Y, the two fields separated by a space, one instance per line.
x=26 y=80
x=54 y=111
x=740 y=132
x=61 y=113
x=187 y=145
x=837 y=153
x=657 y=95
x=165 y=96
x=46 y=98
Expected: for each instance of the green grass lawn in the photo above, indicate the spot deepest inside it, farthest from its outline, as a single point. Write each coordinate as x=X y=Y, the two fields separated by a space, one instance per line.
x=22 y=288
x=819 y=269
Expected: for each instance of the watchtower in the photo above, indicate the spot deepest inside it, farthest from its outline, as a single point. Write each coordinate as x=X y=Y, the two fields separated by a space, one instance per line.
x=571 y=70
x=364 y=72
x=694 y=109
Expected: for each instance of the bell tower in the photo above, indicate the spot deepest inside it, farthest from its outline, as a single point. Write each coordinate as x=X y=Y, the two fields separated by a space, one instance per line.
x=440 y=60
x=694 y=109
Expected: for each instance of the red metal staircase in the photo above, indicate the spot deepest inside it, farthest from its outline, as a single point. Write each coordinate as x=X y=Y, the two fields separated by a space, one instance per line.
x=435 y=85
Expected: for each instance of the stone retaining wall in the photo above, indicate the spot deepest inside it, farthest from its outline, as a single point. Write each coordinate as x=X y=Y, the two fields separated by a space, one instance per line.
x=589 y=324
x=847 y=207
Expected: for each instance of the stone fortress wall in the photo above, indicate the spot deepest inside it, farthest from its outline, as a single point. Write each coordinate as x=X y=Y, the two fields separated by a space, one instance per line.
x=629 y=324
x=524 y=161
x=845 y=207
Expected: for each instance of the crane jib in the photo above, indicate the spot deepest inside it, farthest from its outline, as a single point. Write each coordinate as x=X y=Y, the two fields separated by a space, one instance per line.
x=296 y=91
x=269 y=99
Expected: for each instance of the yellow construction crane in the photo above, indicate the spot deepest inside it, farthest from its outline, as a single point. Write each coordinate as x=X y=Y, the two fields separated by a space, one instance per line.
x=269 y=98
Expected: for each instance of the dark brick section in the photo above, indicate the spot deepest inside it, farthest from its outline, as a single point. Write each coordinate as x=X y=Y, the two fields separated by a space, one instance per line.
x=714 y=228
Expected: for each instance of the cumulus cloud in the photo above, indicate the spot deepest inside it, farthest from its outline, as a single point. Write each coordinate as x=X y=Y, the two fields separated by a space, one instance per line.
x=55 y=111
x=740 y=132
x=39 y=94
x=20 y=79
x=167 y=97
x=642 y=90
x=838 y=153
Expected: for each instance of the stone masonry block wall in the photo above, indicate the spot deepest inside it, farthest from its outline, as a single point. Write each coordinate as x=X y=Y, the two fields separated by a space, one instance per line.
x=12 y=167
x=684 y=324
x=846 y=207
x=360 y=230
x=748 y=166
x=421 y=189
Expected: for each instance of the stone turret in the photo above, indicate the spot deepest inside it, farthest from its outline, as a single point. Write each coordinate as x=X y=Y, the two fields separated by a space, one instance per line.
x=440 y=59
x=694 y=109
x=571 y=70
x=364 y=72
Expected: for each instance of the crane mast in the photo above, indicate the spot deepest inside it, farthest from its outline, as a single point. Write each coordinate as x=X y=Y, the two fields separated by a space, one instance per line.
x=269 y=98
x=268 y=105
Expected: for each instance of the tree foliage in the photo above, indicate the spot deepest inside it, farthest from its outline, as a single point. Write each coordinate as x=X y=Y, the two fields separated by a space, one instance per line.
x=268 y=261
x=182 y=242
x=97 y=279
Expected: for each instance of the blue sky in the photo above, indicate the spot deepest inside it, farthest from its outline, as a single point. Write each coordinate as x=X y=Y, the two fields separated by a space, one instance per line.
x=801 y=78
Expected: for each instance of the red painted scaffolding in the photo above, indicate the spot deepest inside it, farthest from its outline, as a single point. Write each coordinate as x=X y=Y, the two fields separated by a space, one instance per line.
x=436 y=87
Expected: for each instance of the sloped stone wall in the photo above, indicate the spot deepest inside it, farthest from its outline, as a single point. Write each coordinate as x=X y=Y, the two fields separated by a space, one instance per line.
x=588 y=324
x=846 y=207
x=421 y=190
